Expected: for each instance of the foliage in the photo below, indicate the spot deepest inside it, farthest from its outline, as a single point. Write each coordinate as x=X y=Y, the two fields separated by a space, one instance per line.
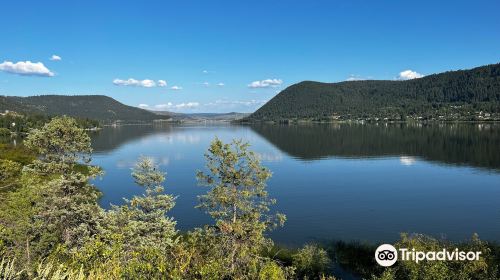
x=271 y=271
x=8 y=270
x=143 y=221
x=61 y=144
x=356 y=257
x=17 y=153
x=68 y=207
x=97 y=107
x=463 y=95
x=484 y=268
x=51 y=226
x=4 y=132
x=22 y=124
x=239 y=204
x=9 y=172
x=311 y=260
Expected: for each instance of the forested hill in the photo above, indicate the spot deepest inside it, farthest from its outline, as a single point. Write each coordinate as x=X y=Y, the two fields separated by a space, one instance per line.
x=97 y=107
x=458 y=95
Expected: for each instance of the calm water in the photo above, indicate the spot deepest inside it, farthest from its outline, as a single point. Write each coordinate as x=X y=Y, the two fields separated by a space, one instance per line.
x=350 y=182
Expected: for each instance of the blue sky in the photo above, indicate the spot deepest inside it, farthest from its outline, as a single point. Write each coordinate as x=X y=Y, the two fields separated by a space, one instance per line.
x=254 y=48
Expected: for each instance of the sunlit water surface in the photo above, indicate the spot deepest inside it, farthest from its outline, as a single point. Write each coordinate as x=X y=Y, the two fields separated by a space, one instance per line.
x=350 y=182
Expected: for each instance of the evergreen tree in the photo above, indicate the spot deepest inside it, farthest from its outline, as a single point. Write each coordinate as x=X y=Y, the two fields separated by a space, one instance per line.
x=238 y=202
x=143 y=220
x=68 y=207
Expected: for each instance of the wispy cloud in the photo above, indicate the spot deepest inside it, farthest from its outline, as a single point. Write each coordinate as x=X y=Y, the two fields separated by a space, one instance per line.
x=354 y=77
x=147 y=83
x=220 y=105
x=207 y=84
x=220 y=84
x=55 y=58
x=220 y=102
x=162 y=83
x=187 y=105
x=266 y=83
x=170 y=105
x=26 y=68
x=163 y=106
x=408 y=75
x=176 y=88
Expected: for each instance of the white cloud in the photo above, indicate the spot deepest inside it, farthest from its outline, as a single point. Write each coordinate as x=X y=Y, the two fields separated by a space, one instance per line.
x=188 y=105
x=220 y=106
x=162 y=83
x=205 y=71
x=353 y=77
x=176 y=88
x=55 y=58
x=170 y=106
x=163 y=106
x=136 y=83
x=408 y=75
x=207 y=84
x=266 y=83
x=236 y=102
x=26 y=68
x=224 y=105
x=220 y=84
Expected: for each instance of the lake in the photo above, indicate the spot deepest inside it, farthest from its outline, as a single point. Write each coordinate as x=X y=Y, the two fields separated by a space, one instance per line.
x=333 y=181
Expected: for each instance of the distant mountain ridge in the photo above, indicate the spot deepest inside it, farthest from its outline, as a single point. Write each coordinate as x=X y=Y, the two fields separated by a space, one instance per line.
x=197 y=117
x=97 y=107
x=456 y=95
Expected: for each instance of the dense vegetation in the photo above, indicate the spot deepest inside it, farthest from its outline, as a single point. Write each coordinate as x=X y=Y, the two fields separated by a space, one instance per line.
x=459 y=95
x=97 y=107
x=52 y=227
x=21 y=124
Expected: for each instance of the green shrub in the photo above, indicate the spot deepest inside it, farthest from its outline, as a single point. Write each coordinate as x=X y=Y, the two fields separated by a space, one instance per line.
x=4 y=132
x=311 y=260
x=271 y=271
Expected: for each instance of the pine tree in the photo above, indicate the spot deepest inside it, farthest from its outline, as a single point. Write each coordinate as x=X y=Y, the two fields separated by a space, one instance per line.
x=238 y=202
x=68 y=209
x=142 y=221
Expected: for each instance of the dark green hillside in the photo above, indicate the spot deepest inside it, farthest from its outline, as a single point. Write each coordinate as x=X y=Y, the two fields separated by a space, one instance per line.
x=98 y=107
x=12 y=103
x=459 y=95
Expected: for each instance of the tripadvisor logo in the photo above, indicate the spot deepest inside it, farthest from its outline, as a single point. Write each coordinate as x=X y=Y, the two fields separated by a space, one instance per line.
x=387 y=255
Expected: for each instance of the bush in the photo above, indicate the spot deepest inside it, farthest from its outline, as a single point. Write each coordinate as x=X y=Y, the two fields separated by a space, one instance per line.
x=311 y=260
x=484 y=268
x=9 y=169
x=271 y=271
x=4 y=132
x=356 y=257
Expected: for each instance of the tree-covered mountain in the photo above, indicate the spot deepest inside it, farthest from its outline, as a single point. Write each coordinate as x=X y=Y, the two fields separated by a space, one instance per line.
x=457 y=95
x=97 y=107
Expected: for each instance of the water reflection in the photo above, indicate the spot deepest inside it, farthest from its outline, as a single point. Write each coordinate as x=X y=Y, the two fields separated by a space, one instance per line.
x=405 y=160
x=335 y=181
x=474 y=145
